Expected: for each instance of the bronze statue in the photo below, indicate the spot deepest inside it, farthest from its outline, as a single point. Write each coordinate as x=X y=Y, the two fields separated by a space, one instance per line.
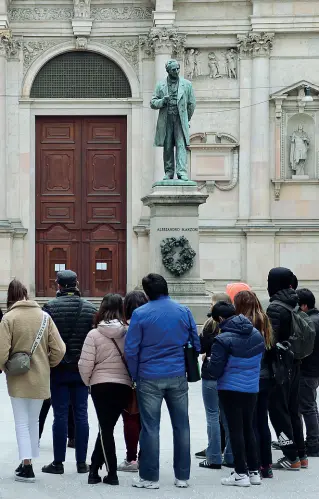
x=175 y=99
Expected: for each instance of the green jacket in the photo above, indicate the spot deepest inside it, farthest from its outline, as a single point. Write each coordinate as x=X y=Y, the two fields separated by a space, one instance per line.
x=186 y=104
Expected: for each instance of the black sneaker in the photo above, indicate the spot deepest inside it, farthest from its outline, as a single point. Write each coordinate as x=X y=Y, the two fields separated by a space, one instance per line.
x=201 y=454
x=54 y=468
x=82 y=467
x=111 y=480
x=25 y=474
x=266 y=472
x=313 y=451
x=71 y=443
x=210 y=466
x=94 y=476
x=19 y=468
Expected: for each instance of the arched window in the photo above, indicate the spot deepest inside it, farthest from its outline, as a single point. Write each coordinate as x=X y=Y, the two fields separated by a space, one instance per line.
x=80 y=75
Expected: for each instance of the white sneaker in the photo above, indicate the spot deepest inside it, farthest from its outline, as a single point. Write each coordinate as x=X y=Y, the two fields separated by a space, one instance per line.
x=181 y=484
x=130 y=466
x=139 y=483
x=254 y=478
x=236 y=480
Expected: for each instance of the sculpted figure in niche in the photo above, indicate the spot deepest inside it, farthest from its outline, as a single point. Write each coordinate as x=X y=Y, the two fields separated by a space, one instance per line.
x=231 y=61
x=299 y=151
x=213 y=65
x=82 y=8
x=175 y=99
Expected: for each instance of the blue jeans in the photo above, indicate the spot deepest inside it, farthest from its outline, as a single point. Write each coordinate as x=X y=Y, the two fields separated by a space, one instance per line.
x=68 y=387
x=150 y=397
x=213 y=415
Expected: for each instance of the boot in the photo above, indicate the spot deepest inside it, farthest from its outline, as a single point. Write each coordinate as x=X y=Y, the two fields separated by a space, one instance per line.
x=94 y=476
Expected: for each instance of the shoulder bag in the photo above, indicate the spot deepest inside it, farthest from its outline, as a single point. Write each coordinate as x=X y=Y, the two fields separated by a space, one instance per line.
x=132 y=407
x=191 y=360
x=20 y=362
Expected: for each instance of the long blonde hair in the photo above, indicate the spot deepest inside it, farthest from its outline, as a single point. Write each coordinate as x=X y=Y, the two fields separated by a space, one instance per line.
x=247 y=303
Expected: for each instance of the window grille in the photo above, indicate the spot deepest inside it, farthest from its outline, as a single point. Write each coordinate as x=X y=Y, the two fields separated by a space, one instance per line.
x=80 y=75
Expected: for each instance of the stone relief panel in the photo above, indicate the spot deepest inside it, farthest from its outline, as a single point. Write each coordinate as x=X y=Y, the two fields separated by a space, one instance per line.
x=37 y=14
x=211 y=63
x=9 y=45
x=128 y=13
x=82 y=9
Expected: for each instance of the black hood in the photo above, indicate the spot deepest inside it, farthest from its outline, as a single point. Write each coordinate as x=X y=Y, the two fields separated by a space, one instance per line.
x=288 y=296
x=279 y=278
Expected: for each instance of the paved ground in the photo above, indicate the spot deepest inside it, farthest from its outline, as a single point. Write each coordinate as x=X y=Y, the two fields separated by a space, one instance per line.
x=204 y=483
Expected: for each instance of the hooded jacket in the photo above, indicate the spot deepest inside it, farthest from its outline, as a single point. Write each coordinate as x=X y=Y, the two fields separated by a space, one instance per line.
x=279 y=282
x=100 y=361
x=236 y=356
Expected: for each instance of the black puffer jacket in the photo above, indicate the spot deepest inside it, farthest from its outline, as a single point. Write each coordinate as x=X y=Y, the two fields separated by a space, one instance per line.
x=73 y=328
x=310 y=365
x=280 y=317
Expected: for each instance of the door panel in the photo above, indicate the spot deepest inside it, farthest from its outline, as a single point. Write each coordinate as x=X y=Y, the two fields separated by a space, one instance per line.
x=81 y=202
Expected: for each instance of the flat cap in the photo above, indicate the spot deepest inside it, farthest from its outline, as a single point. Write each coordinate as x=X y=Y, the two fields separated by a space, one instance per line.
x=67 y=278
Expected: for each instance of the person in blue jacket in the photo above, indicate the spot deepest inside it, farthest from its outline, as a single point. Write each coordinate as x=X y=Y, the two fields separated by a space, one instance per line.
x=154 y=350
x=235 y=363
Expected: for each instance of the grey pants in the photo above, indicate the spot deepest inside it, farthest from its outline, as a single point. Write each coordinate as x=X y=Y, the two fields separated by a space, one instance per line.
x=174 y=138
x=309 y=409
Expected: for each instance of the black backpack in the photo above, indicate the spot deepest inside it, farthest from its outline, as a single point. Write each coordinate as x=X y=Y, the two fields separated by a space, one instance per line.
x=303 y=333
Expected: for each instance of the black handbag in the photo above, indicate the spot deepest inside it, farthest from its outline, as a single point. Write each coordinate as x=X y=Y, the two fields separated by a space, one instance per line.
x=191 y=363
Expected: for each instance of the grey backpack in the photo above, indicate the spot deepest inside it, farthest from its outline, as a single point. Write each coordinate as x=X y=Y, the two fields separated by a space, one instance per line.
x=303 y=334
x=20 y=362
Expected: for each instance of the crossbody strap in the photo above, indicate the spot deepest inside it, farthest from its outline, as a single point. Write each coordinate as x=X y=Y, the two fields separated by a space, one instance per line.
x=285 y=305
x=40 y=333
x=121 y=355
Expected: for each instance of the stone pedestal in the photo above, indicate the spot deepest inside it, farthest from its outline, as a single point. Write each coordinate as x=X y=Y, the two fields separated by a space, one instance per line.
x=174 y=213
x=300 y=177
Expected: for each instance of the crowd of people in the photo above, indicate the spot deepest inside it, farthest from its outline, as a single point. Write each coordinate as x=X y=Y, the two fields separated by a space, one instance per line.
x=130 y=355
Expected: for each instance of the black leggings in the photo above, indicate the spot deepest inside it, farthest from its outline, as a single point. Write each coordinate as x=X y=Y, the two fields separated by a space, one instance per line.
x=239 y=410
x=110 y=399
x=261 y=427
x=43 y=416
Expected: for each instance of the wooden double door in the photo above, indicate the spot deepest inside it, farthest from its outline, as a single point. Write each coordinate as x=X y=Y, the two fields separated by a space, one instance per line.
x=81 y=203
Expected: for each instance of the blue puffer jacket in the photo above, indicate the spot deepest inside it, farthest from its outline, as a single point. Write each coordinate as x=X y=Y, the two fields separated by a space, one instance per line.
x=236 y=356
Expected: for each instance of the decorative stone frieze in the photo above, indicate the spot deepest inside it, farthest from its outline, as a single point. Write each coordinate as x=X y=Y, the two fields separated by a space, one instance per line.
x=33 y=49
x=81 y=43
x=163 y=40
x=126 y=13
x=128 y=47
x=37 y=14
x=9 y=46
x=255 y=44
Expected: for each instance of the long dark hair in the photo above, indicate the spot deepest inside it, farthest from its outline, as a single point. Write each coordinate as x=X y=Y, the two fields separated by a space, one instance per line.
x=247 y=303
x=111 y=308
x=133 y=300
x=16 y=292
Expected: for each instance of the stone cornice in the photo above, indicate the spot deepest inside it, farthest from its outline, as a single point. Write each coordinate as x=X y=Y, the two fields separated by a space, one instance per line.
x=286 y=24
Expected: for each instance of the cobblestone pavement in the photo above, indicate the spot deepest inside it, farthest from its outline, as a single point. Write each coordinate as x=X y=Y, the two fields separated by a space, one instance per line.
x=204 y=483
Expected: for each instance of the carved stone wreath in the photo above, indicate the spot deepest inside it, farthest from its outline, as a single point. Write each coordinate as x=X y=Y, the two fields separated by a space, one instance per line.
x=185 y=260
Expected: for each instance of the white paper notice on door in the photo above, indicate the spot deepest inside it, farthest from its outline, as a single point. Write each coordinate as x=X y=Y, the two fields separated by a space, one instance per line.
x=59 y=266
x=101 y=266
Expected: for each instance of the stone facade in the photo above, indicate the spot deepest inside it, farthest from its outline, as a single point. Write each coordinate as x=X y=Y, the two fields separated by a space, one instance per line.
x=250 y=63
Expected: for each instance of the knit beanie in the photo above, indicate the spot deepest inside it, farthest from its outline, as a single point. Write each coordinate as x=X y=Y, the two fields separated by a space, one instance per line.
x=234 y=288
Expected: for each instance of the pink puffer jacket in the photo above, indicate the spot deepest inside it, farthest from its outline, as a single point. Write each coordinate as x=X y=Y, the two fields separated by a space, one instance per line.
x=100 y=361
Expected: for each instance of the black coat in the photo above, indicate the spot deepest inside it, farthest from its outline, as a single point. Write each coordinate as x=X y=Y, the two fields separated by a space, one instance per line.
x=280 y=317
x=72 y=327
x=210 y=331
x=310 y=365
